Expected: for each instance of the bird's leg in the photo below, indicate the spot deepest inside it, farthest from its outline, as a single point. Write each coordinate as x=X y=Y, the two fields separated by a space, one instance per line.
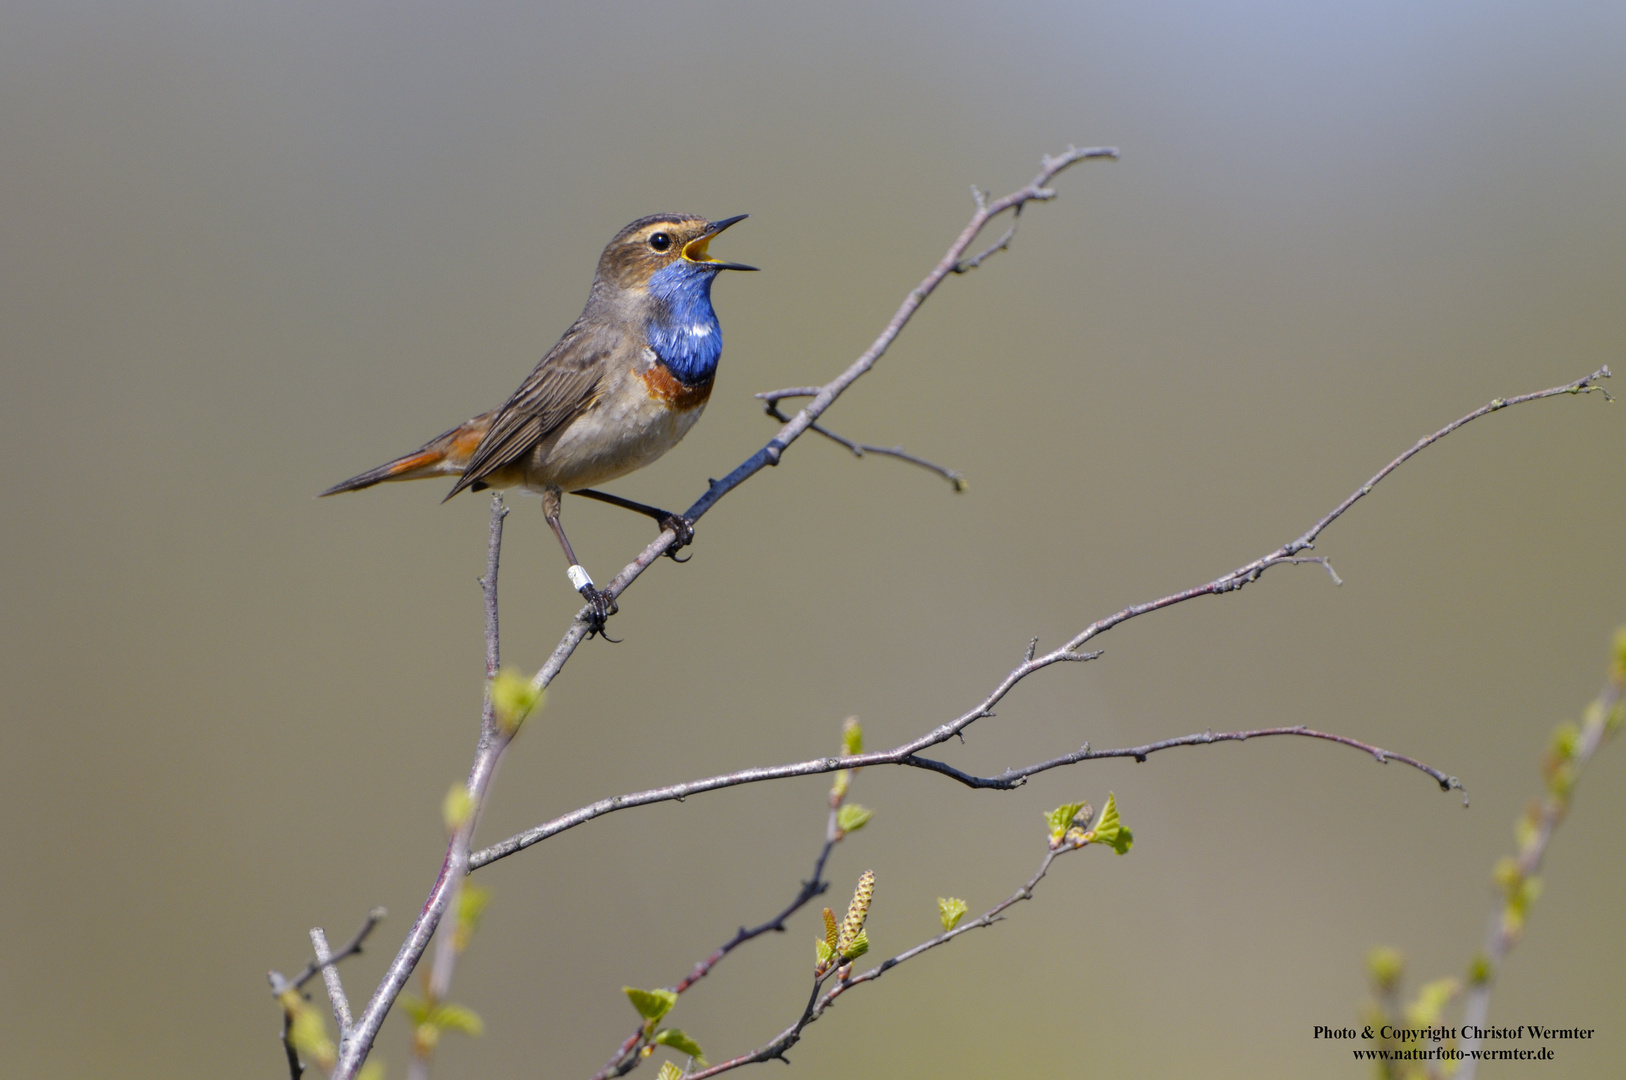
x=601 y=605
x=682 y=526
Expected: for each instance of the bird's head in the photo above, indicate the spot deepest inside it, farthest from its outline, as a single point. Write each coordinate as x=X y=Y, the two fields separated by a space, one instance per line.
x=655 y=243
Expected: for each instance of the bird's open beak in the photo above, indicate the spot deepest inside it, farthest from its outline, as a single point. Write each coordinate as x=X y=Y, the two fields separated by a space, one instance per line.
x=695 y=250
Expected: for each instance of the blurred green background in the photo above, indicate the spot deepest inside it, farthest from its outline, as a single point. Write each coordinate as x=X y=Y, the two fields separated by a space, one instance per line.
x=250 y=250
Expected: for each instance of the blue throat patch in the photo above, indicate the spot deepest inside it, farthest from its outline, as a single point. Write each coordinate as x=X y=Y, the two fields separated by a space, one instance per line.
x=684 y=331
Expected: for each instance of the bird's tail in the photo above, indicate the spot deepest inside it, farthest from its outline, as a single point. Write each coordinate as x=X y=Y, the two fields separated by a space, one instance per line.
x=444 y=455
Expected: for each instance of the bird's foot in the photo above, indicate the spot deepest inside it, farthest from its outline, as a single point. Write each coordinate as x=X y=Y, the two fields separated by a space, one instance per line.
x=600 y=606
x=684 y=528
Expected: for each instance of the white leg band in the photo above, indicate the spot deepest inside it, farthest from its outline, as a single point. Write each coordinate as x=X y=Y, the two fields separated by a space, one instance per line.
x=578 y=578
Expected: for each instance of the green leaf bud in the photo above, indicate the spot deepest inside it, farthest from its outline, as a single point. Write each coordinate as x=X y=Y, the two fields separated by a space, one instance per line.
x=651 y=1004
x=681 y=1043
x=852 y=817
x=513 y=698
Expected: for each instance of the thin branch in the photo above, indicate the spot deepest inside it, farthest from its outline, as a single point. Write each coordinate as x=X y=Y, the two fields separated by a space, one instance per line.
x=822 y=999
x=296 y=1069
x=1032 y=662
x=907 y=755
x=330 y=977
x=455 y=866
x=308 y=972
x=1015 y=778
x=771 y=407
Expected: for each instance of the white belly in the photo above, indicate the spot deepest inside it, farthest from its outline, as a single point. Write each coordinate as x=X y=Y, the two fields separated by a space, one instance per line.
x=625 y=430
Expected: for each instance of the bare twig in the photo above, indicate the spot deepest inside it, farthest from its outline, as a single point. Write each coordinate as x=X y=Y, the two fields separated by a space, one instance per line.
x=330 y=977
x=906 y=755
x=296 y=1068
x=822 y=998
x=1014 y=778
x=773 y=397
x=353 y=948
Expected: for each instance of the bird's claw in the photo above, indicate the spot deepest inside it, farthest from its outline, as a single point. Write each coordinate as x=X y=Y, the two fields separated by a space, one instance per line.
x=600 y=606
x=684 y=528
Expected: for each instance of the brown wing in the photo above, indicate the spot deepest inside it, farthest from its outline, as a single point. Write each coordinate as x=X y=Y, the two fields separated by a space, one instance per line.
x=562 y=387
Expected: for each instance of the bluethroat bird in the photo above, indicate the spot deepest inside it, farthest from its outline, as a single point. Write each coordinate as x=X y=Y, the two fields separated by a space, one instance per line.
x=624 y=384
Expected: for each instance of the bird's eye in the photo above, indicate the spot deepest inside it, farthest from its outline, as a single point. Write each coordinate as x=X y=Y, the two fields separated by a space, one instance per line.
x=660 y=241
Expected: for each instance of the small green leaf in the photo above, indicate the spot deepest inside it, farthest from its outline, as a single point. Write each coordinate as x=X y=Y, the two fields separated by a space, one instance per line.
x=681 y=1043
x=471 y=904
x=852 y=738
x=1110 y=830
x=1431 y=1002
x=859 y=946
x=651 y=1004
x=1061 y=817
x=416 y=1008
x=456 y=807
x=669 y=1071
x=852 y=742
x=950 y=910
x=308 y=1032
x=1566 y=740
x=1384 y=966
x=852 y=817
x=1506 y=873
x=822 y=952
x=513 y=698
x=449 y=1017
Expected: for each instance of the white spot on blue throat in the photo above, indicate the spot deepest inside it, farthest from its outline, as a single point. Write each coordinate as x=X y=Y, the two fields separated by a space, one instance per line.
x=683 y=330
